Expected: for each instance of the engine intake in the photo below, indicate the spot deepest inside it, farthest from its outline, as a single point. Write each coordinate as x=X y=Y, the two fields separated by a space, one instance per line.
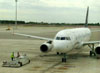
x=46 y=47
x=97 y=50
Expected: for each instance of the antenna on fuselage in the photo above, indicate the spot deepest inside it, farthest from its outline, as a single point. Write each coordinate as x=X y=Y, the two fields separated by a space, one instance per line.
x=87 y=14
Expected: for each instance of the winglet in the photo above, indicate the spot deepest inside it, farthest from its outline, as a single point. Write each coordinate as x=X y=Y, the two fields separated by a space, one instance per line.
x=86 y=21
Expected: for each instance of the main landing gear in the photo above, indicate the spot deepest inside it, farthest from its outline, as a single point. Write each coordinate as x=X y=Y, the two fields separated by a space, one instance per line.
x=92 y=52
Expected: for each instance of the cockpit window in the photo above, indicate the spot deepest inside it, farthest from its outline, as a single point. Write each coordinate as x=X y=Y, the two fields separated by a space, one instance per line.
x=63 y=38
x=57 y=38
x=68 y=38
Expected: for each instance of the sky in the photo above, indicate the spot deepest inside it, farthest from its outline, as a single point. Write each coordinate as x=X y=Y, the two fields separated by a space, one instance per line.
x=52 y=11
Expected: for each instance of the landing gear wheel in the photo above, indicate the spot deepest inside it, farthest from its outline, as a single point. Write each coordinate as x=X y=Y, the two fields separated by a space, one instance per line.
x=29 y=61
x=62 y=53
x=94 y=54
x=58 y=53
x=63 y=59
x=91 y=53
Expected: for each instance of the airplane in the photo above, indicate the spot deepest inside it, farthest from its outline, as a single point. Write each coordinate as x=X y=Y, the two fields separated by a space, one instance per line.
x=68 y=39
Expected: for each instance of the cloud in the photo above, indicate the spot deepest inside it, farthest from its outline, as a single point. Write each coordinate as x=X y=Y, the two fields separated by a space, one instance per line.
x=65 y=3
x=51 y=10
x=6 y=5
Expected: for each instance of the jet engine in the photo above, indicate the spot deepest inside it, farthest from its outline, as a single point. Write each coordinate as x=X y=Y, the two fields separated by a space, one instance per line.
x=97 y=49
x=46 y=47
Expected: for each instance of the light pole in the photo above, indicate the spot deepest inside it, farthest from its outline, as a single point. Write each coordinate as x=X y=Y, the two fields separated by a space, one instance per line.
x=16 y=14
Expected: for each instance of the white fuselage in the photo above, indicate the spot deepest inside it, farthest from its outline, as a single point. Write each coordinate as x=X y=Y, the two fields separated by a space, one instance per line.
x=69 y=39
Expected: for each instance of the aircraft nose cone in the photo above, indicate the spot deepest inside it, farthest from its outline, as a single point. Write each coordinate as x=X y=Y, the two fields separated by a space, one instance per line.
x=59 y=45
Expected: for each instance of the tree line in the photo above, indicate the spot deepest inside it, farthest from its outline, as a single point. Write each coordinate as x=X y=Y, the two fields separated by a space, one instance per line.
x=5 y=22
x=11 y=22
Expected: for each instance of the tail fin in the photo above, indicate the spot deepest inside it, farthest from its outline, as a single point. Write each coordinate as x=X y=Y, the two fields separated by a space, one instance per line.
x=86 y=21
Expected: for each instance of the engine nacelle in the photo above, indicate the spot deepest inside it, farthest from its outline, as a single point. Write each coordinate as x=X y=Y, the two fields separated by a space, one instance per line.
x=46 y=47
x=97 y=49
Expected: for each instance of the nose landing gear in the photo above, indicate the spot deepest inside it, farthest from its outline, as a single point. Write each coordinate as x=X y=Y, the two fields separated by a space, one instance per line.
x=64 y=58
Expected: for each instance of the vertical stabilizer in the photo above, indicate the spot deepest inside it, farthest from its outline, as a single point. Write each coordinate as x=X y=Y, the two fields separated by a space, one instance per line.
x=86 y=21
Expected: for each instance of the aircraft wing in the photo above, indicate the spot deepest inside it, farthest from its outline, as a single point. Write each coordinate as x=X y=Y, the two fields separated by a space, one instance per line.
x=95 y=31
x=31 y=36
x=91 y=42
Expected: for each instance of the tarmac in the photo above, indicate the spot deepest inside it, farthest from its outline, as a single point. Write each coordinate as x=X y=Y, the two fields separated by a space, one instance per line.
x=77 y=61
